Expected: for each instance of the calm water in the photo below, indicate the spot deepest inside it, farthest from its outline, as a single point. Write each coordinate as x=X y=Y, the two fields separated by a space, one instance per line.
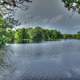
x=48 y=60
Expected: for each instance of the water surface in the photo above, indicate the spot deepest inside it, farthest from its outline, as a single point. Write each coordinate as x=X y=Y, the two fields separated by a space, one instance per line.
x=48 y=60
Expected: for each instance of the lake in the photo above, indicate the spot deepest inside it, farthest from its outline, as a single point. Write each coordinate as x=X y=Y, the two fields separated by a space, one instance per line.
x=54 y=60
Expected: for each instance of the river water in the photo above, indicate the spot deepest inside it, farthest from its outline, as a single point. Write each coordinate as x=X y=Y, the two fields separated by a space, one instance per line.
x=55 y=60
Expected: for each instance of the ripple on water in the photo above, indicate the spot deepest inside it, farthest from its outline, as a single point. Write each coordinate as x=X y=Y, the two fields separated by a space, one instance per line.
x=58 y=60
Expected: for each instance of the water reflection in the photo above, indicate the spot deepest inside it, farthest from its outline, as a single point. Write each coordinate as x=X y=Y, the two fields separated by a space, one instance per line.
x=52 y=60
x=6 y=63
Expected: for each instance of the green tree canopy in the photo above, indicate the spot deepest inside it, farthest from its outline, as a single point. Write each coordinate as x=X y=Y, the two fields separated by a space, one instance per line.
x=2 y=32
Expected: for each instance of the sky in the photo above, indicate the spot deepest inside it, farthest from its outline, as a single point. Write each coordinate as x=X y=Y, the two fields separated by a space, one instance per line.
x=49 y=14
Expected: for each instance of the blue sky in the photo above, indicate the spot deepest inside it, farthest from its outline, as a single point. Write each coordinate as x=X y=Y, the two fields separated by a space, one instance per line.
x=49 y=14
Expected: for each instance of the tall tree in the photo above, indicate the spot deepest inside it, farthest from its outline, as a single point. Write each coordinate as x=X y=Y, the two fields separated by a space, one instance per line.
x=2 y=32
x=36 y=34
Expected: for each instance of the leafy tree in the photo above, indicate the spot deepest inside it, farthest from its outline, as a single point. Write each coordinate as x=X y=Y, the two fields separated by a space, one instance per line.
x=18 y=36
x=72 y=4
x=53 y=35
x=36 y=35
x=46 y=34
x=78 y=35
x=2 y=32
x=10 y=35
x=21 y=36
x=7 y=6
x=27 y=36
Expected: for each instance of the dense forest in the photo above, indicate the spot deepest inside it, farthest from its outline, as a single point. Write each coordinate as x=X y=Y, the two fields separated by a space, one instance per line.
x=37 y=34
x=30 y=35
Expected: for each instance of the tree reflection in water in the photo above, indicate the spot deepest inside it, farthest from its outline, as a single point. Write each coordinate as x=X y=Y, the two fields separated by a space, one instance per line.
x=6 y=64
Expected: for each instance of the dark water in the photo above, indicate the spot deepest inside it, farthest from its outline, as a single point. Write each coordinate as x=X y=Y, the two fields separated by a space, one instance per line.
x=57 y=60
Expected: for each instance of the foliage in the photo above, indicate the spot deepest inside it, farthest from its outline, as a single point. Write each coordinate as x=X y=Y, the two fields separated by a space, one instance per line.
x=7 y=6
x=72 y=4
x=2 y=32
x=18 y=36
x=21 y=35
x=72 y=36
x=37 y=34
x=29 y=35
x=9 y=35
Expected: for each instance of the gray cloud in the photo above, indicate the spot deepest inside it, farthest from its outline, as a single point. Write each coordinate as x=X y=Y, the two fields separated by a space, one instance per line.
x=51 y=14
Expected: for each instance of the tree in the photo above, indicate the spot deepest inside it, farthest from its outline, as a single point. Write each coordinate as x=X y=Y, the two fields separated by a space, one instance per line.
x=9 y=5
x=45 y=34
x=2 y=32
x=78 y=35
x=21 y=36
x=7 y=8
x=25 y=35
x=18 y=36
x=10 y=35
x=72 y=5
x=36 y=34
x=50 y=35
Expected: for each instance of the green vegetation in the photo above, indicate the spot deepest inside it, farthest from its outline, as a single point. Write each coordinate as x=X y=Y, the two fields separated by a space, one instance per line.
x=3 y=31
x=71 y=36
x=72 y=5
x=30 y=35
x=37 y=34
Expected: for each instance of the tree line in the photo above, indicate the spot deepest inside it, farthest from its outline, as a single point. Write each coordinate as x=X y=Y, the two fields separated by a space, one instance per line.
x=30 y=35
x=34 y=35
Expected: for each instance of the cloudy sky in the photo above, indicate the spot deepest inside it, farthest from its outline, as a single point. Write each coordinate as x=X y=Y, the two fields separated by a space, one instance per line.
x=49 y=14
